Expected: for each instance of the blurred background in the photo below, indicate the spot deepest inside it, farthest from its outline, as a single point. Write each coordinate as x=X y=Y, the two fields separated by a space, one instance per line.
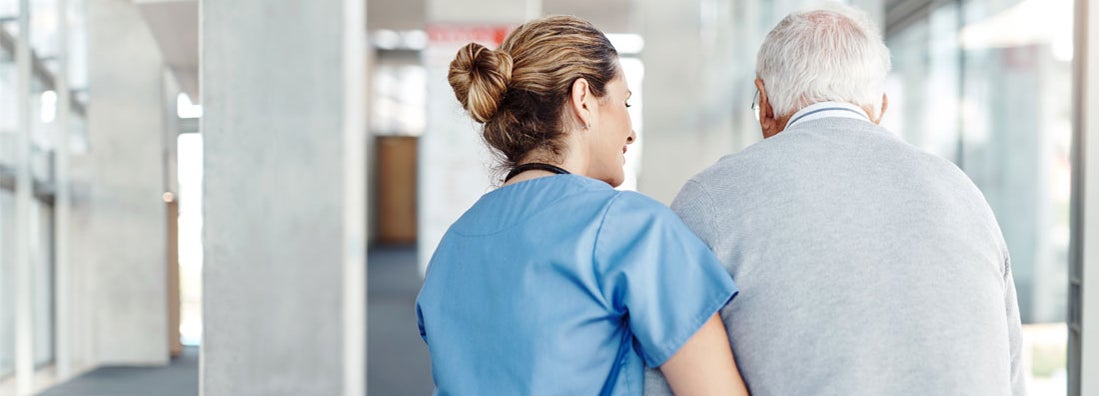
x=309 y=155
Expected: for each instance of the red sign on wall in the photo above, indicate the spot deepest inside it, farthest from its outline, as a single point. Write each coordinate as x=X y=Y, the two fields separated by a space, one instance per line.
x=489 y=36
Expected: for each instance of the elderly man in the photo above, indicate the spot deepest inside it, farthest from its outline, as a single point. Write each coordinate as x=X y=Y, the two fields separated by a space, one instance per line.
x=866 y=266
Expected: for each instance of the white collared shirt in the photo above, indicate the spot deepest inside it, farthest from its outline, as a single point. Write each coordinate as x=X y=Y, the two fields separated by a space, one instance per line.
x=825 y=110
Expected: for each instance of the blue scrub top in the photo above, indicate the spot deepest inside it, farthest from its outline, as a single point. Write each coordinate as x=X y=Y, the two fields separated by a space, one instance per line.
x=562 y=285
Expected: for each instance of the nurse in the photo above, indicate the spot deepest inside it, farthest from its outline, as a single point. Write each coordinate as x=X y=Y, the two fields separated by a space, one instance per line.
x=556 y=283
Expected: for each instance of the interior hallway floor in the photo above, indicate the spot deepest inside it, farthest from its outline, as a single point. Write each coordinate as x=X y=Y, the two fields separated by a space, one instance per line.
x=179 y=378
x=398 y=362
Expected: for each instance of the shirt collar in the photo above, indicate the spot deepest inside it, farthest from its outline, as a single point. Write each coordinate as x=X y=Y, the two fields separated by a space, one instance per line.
x=827 y=110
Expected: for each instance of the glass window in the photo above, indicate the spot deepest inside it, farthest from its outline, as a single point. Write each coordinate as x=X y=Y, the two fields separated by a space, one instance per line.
x=9 y=9
x=78 y=48
x=43 y=105
x=923 y=88
x=78 y=134
x=44 y=29
x=7 y=284
x=400 y=94
x=1018 y=125
x=41 y=102
x=190 y=237
x=987 y=84
x=8 y=83
x=9 y=14
x=42 y=261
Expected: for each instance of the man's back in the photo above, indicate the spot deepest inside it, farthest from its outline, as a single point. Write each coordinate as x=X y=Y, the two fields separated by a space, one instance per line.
x=865 y=265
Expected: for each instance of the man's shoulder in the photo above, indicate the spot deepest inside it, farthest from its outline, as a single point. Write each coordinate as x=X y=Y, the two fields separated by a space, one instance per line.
x=731 y=168
x=808 y=149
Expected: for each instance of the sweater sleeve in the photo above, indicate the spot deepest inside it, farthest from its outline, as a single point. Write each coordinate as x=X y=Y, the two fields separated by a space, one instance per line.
x=1014 y=332
x=694 y=205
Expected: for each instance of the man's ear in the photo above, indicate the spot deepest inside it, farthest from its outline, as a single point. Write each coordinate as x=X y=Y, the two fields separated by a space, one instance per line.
x=580 y=100
x=884 y=106
x=767 y=120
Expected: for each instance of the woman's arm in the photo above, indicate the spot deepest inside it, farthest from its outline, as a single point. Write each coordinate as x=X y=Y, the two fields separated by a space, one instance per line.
x=704 y=365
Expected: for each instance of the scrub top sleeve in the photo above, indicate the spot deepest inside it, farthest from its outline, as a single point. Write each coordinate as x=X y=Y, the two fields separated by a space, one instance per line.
x=658 y=275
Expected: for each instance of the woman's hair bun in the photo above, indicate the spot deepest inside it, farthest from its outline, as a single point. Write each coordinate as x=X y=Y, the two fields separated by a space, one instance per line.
x=480 y=77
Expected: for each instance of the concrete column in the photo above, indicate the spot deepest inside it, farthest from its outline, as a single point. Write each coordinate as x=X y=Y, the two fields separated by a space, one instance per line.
x=284 y=280
x=454 y=164
x=119 y=241
x=24 y=267
x=78 y=179
x=1084 y=316
x=690 y=89
x=63 y=287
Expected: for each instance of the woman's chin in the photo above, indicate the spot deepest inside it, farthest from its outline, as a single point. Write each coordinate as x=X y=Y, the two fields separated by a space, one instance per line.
x=615 y=181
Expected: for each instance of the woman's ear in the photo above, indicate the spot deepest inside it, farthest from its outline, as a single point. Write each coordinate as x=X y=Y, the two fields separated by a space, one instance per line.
x=580 y=100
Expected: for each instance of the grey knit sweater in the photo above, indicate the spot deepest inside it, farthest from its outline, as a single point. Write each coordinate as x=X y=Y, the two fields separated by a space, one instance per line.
x=866 y=267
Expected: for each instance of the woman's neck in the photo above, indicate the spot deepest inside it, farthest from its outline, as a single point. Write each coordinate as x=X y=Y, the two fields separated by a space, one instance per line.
x=567 y=160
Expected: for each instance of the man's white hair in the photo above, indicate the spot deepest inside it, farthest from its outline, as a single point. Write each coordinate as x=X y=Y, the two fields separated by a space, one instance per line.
x=829 y=53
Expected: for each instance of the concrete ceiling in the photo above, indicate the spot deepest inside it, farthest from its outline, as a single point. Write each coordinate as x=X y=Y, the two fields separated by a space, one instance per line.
x=174 y=25
x=612 y=16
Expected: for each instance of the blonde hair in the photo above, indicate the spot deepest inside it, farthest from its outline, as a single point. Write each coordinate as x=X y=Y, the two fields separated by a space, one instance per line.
x=520 y=90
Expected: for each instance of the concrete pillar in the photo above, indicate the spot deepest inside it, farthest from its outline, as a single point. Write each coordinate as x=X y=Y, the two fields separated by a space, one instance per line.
x=455 y=167
x=24 y=267
x=283 y=94
x=119 y=240
x=1084 y=316
x=63 y=287
x=690 y=89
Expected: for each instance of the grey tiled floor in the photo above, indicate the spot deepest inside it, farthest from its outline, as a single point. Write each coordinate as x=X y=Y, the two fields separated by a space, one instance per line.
x=180 y=378
x=398 y=361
